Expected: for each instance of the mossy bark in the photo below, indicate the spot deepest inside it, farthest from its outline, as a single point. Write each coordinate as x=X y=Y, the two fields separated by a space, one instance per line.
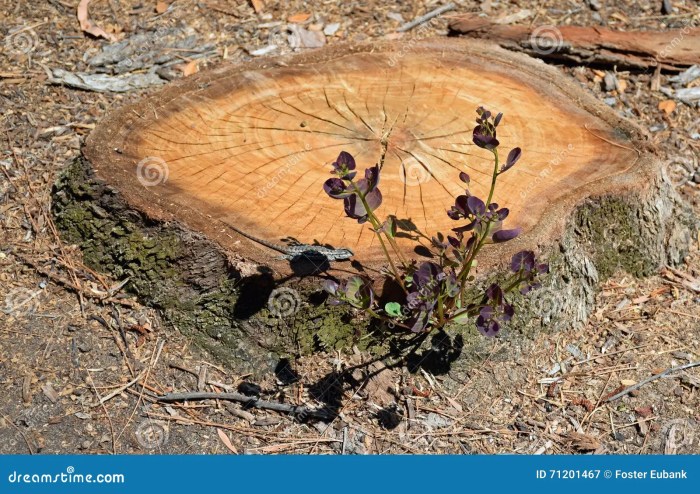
x=201 y=292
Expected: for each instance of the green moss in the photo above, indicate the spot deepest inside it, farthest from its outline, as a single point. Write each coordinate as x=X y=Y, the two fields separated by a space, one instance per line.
x=158 y=263
x=612 y=237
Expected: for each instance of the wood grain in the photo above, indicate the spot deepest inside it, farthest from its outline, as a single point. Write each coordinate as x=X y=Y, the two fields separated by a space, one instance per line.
x=250 y=146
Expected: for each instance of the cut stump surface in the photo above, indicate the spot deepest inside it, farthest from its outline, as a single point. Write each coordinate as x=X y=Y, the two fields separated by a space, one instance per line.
x=250 y=147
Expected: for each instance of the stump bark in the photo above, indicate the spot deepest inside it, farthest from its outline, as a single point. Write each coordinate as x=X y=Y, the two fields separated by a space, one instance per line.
x=167 y=184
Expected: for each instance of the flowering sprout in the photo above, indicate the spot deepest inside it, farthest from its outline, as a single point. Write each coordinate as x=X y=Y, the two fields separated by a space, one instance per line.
x=436 y=293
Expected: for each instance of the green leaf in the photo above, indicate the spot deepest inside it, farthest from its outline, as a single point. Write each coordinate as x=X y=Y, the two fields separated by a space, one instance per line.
x=393 y=309
x=353 y=287
x=462 y=317
x=389 y=227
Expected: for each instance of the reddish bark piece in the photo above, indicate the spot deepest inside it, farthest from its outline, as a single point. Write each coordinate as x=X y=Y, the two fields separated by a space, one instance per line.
x=674 y=49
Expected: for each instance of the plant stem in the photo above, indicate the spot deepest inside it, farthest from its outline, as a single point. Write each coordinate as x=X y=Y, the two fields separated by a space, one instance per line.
x=376 y=225
x=464 y=273
x=441 y=312
x=494 y=177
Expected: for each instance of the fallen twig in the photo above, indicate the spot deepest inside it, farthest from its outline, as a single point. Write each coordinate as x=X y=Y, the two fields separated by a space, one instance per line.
x=425 y=18
x=104 y=409
x=650 y=379
x=251 y=401
x=120 y=389
x=75 y=286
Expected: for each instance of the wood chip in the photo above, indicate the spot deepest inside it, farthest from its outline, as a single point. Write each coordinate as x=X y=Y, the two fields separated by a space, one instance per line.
x=86 y=24
x=189 y=68
x=643 y=428
x=50 y=393
x=298 y=18
x=667 y=106
x=258 y=5
x=583 y=442
x=644 y=412
x=691 y=381
x=202 y=377
x=237 y=412
x=26 y=389
x=161 y=7
x=620 y=17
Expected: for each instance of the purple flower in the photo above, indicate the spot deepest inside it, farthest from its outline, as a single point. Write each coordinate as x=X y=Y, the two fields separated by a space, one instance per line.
x=336 y=188
x=512 y=158
x=505 y=235
x=484 y=139
x=343 y=166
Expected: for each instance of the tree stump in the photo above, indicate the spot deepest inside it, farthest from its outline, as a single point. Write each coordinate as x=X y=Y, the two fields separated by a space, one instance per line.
x=168 y=185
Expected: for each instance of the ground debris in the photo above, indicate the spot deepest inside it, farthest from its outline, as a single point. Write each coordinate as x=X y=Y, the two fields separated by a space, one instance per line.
x=145 y=50
x=106 y=83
